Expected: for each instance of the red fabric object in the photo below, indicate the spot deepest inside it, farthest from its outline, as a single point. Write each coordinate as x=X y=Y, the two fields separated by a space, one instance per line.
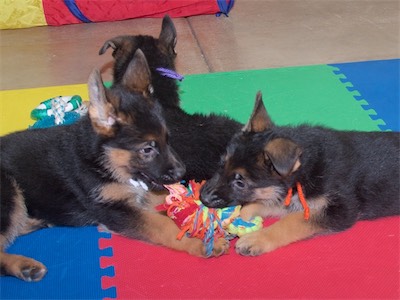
x=57 y=13
x=180 y=204
x=180 y=216
x=362 y=262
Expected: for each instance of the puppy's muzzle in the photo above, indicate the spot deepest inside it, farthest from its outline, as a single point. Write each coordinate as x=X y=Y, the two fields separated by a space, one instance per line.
x=209 y=197
x=174 y=174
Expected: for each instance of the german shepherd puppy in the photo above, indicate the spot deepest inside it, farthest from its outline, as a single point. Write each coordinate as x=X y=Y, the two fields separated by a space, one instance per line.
x=199 y=139
x=95 y=171
x=320 y=180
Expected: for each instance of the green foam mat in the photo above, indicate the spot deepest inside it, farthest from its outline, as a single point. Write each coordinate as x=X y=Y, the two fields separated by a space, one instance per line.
x=311 y=94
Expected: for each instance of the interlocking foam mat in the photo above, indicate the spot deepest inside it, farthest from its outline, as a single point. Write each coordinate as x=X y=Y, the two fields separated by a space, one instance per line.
x=363 y=262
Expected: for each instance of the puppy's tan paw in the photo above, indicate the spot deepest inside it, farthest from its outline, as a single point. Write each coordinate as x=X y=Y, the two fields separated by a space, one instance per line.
x=196 y=247
x=254 y=244
x=221 y=246
x=33 y=272
x=28 y=269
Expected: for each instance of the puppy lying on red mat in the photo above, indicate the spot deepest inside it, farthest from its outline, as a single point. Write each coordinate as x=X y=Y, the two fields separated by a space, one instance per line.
x=318 y=180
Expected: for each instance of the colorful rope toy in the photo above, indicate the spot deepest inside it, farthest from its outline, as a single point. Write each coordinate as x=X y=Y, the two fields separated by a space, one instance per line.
x=58 y=110
x=196 y=220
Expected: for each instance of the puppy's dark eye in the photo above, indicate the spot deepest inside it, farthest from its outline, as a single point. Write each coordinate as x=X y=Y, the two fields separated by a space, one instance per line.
x=149 y=149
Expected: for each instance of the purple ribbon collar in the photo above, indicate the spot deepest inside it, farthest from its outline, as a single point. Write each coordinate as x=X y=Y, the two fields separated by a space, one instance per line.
x=170 y=74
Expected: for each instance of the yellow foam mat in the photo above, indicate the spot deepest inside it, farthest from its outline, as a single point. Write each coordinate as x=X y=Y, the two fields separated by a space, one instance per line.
x=16 y=105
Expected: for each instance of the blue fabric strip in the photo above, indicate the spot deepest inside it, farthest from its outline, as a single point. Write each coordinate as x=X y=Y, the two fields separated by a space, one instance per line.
x=225 y=6
x=74 y=9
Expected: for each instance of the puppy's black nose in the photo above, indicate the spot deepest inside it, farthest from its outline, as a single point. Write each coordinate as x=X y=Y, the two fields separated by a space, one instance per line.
x=212 y=201
x=179 y=172
x=209 y=199
x=174 y=174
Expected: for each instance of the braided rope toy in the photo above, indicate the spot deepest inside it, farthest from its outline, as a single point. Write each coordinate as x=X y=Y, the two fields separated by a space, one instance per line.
x=196 y=220
x=57 y=111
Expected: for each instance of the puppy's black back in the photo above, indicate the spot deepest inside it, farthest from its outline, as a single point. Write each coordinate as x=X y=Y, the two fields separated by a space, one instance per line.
x=357 y=167
x=44 y=162
x=200 y=140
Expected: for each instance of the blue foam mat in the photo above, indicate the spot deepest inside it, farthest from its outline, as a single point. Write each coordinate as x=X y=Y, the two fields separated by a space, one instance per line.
x=378 y=82
x=72 y=258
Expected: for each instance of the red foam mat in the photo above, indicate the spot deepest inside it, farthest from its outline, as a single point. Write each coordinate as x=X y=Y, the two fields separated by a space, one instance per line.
x=362 y=262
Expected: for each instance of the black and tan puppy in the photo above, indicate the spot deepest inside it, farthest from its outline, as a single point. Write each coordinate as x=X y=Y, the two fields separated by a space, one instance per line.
x=199 y=139
x=317 y=179
x=96 y=171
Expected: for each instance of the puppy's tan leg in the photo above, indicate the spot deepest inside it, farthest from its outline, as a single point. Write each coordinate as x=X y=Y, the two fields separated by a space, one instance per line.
x=19 y=266
x=156 y=198
x=18 y=223
x=22 y=267
x=287 y=230
x=252 y=210
x=160 y=229
x=32 y=225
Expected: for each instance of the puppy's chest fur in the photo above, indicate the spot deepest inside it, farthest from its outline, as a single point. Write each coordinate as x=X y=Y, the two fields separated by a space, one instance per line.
x=131 y=194
x=278 y=209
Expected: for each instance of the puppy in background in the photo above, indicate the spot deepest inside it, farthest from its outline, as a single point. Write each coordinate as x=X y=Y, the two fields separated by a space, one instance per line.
x=318 y=180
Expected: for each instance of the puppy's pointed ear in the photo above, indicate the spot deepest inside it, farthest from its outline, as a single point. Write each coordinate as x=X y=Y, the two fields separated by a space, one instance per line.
x=121 y=45
x=284 y=156
x=109 y=44
x=137 y=77
x=101 y=112
x=259 y=119
x=168 y=35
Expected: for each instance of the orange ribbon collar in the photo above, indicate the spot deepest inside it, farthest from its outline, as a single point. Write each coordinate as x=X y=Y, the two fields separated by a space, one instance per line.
x=302 y=199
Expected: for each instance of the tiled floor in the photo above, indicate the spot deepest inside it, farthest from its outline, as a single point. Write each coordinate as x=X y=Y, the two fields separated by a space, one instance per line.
x=257 y=34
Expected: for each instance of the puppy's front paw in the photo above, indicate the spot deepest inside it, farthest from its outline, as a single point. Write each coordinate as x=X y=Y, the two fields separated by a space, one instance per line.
x=30 y=270
x=196 y=247
x=221 y=246
x=254 y=244
x=33 y=273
